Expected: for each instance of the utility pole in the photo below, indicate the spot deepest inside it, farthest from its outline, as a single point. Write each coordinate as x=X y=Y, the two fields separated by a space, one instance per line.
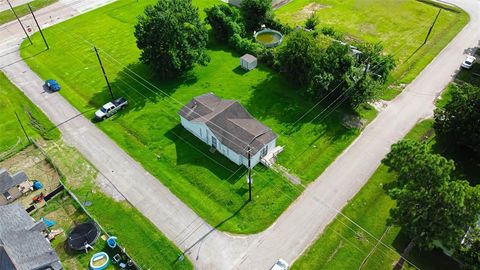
x=21 y=125
x=431 y=27
x=18 y=19
x=249 y=174
x=39 y=29
x=104 y=74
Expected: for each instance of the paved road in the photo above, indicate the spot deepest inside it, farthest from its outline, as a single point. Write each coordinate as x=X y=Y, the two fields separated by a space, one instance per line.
x=304 y=219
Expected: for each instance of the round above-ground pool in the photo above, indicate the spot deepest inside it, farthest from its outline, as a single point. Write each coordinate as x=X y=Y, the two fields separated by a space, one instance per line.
x=269 y=38
x=99 y=261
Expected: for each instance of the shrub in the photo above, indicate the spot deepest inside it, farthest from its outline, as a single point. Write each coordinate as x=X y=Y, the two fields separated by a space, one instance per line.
x=244 y=45
x=312 y=21
x=225 y=21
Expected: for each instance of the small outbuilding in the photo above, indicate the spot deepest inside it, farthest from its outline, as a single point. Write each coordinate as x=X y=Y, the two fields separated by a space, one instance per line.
x=12 y=186
x=248 y=62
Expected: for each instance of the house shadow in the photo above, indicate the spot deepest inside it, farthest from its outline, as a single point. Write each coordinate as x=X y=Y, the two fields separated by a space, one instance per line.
x=435 y=258
x=139 y=84
x=191 y=150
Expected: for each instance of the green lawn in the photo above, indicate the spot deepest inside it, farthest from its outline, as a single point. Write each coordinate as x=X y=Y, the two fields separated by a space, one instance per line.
x=343 y=245
x=401 y=26
x=150 y=132
x=149 y=248
x=7 y=15
x=35 y=122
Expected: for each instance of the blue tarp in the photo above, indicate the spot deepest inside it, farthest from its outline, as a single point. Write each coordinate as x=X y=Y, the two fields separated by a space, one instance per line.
x=48 y=223
x=37 y=185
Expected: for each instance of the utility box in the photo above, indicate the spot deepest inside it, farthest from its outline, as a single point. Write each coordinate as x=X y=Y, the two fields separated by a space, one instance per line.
x=248 y=62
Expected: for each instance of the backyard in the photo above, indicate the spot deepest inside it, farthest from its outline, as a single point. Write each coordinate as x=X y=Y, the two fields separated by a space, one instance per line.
x=400 y=25
x=150 y=131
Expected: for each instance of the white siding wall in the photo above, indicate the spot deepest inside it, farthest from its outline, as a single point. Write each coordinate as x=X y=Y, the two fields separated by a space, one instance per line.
x=202 y=132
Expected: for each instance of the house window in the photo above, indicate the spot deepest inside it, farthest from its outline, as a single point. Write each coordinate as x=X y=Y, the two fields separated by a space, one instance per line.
x=264 y=151
x=214 y=142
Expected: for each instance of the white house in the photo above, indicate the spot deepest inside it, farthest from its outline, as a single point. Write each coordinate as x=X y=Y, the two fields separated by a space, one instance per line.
x=228 y=127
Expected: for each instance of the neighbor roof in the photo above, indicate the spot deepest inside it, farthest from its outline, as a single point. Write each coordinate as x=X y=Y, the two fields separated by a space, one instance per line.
x=230 y=122
x=249 y=58
x=8 y=181
x=22 y=241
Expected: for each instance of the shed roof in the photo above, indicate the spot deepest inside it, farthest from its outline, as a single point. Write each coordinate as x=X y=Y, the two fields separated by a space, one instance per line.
x=22 y=242
x=8 y=181
x=248 y=58
x=230 y=122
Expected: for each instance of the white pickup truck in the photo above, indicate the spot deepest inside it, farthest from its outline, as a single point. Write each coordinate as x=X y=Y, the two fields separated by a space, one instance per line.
x=111 y=108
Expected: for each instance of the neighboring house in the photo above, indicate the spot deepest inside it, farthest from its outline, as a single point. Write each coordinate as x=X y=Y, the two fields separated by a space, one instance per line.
x=12 y=186
x=230 y=129
x=23 y=245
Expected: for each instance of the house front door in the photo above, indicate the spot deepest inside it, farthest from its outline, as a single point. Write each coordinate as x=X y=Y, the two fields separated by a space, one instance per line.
x=214 y=142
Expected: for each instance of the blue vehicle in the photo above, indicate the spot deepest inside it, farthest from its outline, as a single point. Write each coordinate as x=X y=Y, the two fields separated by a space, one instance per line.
x=52 y=85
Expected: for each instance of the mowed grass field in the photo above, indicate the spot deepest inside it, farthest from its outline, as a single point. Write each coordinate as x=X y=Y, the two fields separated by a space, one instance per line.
x=150 y=131
x=400 y=25
x=36 y=124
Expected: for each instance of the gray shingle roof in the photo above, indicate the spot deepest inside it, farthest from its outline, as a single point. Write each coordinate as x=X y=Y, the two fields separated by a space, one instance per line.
x=22 y=242
x=8 y=181
x=230 y=122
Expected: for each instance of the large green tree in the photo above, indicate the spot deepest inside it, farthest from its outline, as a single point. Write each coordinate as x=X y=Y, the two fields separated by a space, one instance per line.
x=459 y=120
x=298 y=57
x=172 y=37
x=225 y=21
x=256 y=13
x=431 y=206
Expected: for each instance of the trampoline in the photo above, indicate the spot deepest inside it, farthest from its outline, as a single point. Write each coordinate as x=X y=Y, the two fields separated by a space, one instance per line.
x=83 y=236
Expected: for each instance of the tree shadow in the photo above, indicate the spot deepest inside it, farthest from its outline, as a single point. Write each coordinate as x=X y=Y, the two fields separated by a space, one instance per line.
x=139 y=84
x=193 y=151
x=467 y=162
x=431 y=259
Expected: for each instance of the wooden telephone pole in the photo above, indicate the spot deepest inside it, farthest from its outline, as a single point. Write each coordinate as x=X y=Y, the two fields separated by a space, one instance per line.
x=104 y=74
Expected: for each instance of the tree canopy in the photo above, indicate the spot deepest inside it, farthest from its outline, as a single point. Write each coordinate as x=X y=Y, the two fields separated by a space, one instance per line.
x=256 y=13
x=225 y=21
x=459 y=120
x=327 y=68
x=172 y=37
x=431 y=206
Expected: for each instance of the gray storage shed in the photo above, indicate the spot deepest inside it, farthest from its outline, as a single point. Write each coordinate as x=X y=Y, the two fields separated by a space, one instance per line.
x=248 y=62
